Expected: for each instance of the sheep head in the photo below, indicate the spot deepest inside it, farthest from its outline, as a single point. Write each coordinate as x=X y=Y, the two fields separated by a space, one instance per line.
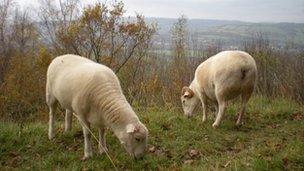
x=189 y=101
x=134 y=139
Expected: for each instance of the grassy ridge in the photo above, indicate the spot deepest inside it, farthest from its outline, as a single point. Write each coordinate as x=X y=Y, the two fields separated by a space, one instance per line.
x=272 y=138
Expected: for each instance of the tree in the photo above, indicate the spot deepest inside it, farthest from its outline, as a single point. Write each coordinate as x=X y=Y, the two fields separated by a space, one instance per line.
x=101 y=33
x=5 y=48
x=179 y=35
x=104 y=35
x=179 y=68
x=25 y=35
x=55 y=20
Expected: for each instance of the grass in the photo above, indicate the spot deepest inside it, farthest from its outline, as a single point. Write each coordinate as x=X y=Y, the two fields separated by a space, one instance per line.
x=272 y=138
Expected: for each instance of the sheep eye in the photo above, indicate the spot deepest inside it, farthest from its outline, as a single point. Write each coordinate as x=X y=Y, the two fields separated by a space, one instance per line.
x=184 y=101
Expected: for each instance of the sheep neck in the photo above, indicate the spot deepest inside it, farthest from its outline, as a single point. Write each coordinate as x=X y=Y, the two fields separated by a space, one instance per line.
x=194 y=86
x=115 y=110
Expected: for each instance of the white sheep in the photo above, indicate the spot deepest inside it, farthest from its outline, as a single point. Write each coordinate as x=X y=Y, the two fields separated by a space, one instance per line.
x=219 y=79
x=92 y=91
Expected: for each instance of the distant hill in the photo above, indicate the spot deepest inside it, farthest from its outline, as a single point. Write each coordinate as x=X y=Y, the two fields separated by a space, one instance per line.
x=228 y=33
x=234 y=32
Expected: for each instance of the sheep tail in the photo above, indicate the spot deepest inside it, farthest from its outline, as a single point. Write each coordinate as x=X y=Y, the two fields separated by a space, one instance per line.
x=244 y=73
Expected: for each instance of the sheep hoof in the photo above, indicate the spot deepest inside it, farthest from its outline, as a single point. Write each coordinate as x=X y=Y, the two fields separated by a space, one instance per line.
x=214 y=125
x=238 y=124
x=67 y=130
x=84 y=158
x=51 y=136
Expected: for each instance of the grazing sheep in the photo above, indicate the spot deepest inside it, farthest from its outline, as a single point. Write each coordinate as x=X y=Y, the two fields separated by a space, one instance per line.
x=92 y=91
x=218 y=79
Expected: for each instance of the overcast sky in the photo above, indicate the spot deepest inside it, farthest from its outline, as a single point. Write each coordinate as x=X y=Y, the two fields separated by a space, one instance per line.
x=245 y=10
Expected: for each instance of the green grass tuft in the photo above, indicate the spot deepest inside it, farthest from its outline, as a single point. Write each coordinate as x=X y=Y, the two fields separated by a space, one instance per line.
x=272 y=138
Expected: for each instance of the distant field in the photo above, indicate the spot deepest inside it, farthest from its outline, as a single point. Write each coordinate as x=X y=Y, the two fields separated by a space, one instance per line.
x=272 y=138
x=235 y=32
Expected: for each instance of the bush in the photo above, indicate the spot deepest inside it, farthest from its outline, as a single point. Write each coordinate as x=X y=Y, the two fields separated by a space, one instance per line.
x=23 y=92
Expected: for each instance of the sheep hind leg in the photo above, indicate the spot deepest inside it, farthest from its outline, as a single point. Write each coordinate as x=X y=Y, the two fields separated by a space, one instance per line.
x=102 y=141
x=204 y=105
x=68 y=120
x=222 y=104
x=216 y=108
x=244 y=100
x=52 y=103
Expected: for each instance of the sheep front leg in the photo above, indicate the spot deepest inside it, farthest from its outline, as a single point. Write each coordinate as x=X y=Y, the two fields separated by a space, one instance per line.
x=87 y=142
x=102 y=141
x=68 y=120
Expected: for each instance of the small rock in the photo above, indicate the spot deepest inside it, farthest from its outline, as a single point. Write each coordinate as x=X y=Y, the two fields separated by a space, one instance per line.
x=188 y=161
x=194 y=153
x=285 y=161
x=152 y=149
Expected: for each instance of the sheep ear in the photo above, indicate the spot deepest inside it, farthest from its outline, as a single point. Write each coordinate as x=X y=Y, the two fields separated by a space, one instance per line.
x=130 y=128
x=187 y=92
x=184 y=89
